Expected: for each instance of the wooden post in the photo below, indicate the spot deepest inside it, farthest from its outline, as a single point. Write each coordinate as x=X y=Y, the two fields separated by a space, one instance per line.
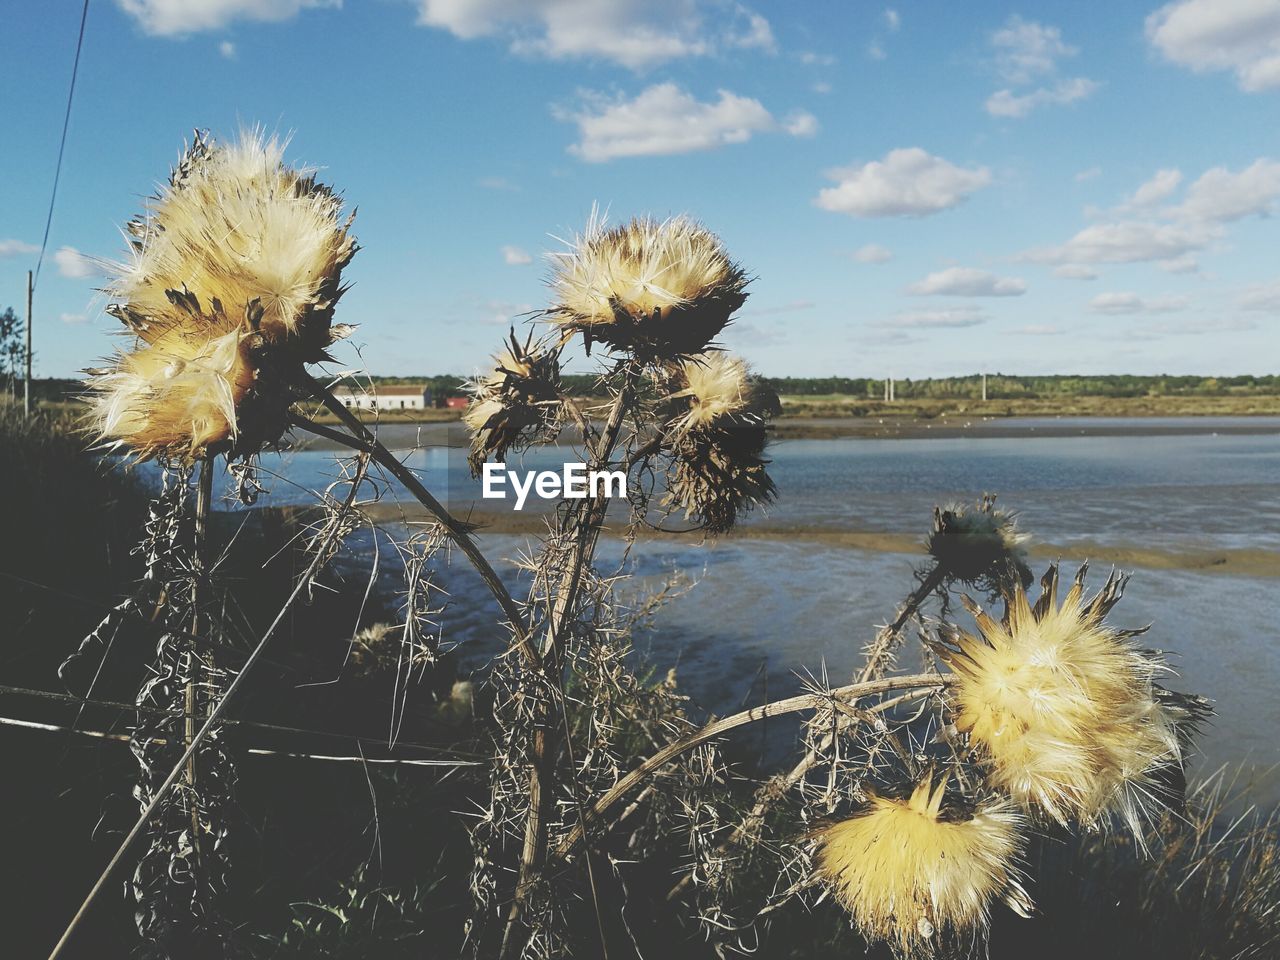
x=26 y=384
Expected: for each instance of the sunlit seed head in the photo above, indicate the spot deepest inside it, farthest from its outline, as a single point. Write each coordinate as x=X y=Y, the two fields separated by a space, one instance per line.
x=913 y=871
x=662 y=289
x=1062 y=707
x=176 y=396
x=238 y=228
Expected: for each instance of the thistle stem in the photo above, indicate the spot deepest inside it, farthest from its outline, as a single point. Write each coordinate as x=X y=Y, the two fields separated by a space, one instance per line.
x=319 y=558
x=544 y=747
x=918 y=684
x=364 y=439
x=199 y=591
x=878 y=658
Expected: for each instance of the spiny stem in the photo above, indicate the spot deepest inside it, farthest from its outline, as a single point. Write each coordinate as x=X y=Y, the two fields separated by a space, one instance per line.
x=543 y=746
x=363 y=439
x=922 y=683
x=199 y=589
x=878 y=658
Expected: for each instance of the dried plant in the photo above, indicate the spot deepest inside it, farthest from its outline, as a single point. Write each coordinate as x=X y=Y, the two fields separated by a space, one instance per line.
x=657 y=289
x=914 y=872
x=517 y=404
x=1063 y=708
x=914 y=795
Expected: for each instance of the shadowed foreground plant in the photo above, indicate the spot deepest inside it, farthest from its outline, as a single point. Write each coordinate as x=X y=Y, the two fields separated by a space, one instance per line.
x=1057 y=711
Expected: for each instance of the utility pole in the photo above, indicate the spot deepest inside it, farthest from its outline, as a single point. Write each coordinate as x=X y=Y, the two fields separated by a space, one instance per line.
x=26 y=384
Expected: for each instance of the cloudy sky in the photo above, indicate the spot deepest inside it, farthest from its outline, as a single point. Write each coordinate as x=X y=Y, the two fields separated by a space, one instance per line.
x=921 y=189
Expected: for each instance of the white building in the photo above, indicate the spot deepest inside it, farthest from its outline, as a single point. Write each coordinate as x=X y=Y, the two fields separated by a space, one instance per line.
x=385 y=398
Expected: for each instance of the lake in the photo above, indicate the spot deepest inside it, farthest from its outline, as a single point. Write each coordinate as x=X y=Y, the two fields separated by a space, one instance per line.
x=1196 y=501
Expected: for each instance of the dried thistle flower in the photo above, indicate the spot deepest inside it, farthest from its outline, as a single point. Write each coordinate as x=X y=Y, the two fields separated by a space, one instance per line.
x=518 y=402
x=979 y=543
x=234 y=272
x=716 y=416
x=1063 y=708
x=660 y=289
x=243 y=233
x=177 y=395
x=913 y=870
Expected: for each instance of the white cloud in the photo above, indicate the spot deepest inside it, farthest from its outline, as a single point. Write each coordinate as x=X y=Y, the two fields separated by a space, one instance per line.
x=892 y=20
x=497 y=183
x=876 y=51
x=955 y=317
x=1006 y=103
x=1088 y=174
x=1026 y=50
x=1263 y=297
x=171 y=18
x=1075 y=271
x=1242 y=36
x=873 y=253
x=1220 y=196
x=967 y=282
x=1038 y=330
x=16 y=248
x=755 y=34
x=227 y=49
x=801 y=124
x=1183 y=264
x=515 y=256
x=821 y=86
x=1159 y=188
x=1124 y=303
x=1126 y=241
x=664 y=120
x=812 y=59
x=76 y=265
x=72 y=319
x=908 y=182
x=634 y=33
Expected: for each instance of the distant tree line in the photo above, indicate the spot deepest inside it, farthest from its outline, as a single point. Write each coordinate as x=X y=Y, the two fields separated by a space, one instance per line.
x=999 y=386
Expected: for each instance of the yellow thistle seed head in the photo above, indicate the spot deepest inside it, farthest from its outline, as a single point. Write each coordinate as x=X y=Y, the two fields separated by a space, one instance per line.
x=661 y=289
x=238 y=229
x=1062 y=707
x=917 y=871
x=176 y=396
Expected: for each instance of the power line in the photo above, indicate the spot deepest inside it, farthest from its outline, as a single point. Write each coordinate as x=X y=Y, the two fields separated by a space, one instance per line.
x=62 y=144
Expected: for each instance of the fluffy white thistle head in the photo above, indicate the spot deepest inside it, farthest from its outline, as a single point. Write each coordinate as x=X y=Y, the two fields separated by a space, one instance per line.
x=1063 y=708
x=661 y=289
x=234 y=270
x=913 y=871
x=238 y=228
x=177 y=395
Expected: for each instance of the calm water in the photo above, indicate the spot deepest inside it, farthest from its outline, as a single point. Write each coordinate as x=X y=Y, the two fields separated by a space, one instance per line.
x=768 y=609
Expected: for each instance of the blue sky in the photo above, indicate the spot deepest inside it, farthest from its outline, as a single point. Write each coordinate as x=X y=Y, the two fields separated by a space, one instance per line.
x=921 y=189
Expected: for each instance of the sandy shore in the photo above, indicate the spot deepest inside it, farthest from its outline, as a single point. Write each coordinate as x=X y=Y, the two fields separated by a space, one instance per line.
x=1247 y=562
x=405 y=436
